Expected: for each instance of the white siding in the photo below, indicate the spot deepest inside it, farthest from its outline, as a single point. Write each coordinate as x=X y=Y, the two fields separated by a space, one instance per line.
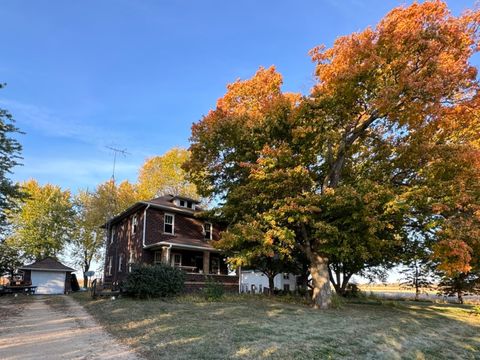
x=260 y=281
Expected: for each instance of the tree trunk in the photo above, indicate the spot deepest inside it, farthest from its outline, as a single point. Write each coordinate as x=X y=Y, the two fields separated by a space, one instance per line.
x=417 y=284
x=340 y=281
x=321 y=282
x=86 y=267
x=270 y=284
x=460 y=296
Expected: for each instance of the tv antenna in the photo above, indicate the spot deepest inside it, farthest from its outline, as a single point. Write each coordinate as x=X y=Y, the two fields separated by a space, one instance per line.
x=116 y=152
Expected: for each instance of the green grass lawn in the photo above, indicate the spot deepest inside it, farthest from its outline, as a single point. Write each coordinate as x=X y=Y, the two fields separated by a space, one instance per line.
x=257 y=328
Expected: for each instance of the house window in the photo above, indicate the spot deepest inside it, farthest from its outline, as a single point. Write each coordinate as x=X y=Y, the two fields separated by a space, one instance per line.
x=168 y=224
x=134 y=224
x=215 y=266
x=182 y=203
x=189 y=204
x=120 y=262
x=177 y=260
x=286 y=287
x=109 y=267
x=158 y=257
x=207 y=231
x=286 y=276
x=112 y=234
x=260 y=288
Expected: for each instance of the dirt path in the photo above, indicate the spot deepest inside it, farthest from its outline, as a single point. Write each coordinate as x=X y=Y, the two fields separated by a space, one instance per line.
x=54 y=328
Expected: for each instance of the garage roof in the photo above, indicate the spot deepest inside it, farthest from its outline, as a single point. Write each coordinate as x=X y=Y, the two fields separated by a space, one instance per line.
x=47 y=264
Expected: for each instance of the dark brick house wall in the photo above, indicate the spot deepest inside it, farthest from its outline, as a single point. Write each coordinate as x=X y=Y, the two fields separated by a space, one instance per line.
x=185 y=227
x=124 y=243
x=130 y=246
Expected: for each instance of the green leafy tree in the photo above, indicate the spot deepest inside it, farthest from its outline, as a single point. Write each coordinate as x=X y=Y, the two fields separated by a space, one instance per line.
x=10 y=150
x=44 y=223
x=88 y=237
x=10 y=258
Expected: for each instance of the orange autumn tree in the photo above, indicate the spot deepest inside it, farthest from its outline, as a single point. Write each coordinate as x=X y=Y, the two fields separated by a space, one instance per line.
x=381 y=96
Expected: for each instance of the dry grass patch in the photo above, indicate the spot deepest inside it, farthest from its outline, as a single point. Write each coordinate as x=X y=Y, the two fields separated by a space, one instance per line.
x=260 y=328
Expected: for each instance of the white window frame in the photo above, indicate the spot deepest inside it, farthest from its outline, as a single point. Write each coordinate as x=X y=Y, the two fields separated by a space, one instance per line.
x=109 y=267
x=112 y=234
x=165 y=223
x=205 y=231
x=120 y=262
x=218 y=269
x=134 y=224
x=173 y=259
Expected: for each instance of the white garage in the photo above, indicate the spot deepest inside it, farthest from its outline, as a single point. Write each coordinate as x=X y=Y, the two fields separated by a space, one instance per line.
x=49 y=282
x=49 y=276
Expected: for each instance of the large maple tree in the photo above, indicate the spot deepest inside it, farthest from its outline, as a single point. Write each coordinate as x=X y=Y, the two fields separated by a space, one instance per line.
x=343 y=173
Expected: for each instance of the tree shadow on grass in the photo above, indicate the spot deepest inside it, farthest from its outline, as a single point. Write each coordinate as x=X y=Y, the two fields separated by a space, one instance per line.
x=262 y=329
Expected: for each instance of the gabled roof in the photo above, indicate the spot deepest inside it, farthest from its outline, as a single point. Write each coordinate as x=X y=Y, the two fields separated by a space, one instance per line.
x=47 y=264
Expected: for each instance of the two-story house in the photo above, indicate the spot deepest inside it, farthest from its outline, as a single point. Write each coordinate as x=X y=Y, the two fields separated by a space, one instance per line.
x=166 y=230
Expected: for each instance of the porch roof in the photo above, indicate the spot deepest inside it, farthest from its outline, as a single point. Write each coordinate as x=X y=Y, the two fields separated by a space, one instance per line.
x=184 y=243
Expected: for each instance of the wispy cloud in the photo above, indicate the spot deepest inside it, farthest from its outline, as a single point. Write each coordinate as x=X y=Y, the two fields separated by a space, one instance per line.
x=75 y=173
x=51 y=124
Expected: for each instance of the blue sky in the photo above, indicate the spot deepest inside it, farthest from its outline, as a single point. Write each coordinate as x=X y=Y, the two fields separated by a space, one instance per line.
x=136 y=74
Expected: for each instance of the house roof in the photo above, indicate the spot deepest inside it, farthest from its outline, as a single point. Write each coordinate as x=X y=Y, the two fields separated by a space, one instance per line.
x=47 y=264
x=184 y=242
x=164 y=202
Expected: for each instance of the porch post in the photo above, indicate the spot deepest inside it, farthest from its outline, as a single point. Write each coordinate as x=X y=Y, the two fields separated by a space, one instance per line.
x=206 y=262
x=165 y=255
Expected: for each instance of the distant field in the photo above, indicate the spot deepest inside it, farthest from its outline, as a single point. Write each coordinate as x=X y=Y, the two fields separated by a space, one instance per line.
x=399 y=292
x=254 y=327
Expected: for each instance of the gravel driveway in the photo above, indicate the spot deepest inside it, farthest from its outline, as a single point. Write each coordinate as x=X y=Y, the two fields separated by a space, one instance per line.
x=54 y=327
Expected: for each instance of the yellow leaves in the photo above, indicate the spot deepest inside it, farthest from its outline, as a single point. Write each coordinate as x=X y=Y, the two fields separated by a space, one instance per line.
x=161 y=175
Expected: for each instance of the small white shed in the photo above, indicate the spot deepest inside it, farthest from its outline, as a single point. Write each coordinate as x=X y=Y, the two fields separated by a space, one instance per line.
x=49 y=275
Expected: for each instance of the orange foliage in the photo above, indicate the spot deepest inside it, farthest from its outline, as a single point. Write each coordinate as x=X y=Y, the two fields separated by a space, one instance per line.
x=404 y=69
x=455 y=257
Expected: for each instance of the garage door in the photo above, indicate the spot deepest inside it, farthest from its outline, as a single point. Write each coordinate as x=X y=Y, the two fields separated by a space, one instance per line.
x=48 y=282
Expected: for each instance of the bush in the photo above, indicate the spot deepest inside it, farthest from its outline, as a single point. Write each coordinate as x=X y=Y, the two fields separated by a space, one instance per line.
x=352 y=291
x=337 y=301
x=146 y=281
x=213 y=291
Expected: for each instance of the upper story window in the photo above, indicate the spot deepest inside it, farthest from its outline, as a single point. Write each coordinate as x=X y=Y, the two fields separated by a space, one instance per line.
x=207 y=231
x=112 y=234
x=186 y=204
x=134 y=224
x=286 y=276
x=168 y=223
